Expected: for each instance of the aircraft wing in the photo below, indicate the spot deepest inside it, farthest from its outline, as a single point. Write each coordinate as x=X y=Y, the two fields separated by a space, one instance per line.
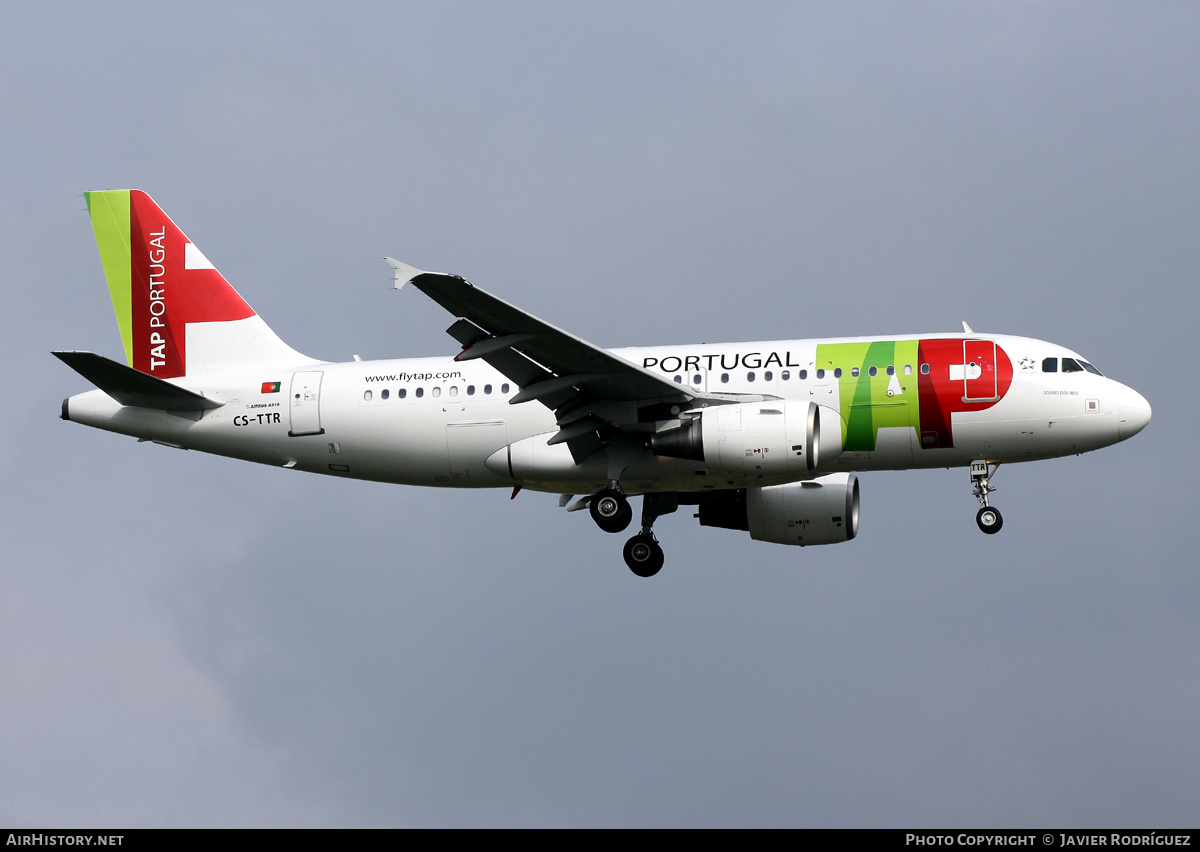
x=588 y=388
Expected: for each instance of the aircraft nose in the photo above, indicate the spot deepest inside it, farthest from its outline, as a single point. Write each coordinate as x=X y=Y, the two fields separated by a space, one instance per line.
x=1133 y=412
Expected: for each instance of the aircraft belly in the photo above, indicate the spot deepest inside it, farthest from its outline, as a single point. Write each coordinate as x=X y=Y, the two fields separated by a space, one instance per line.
x=257 y=436
x=469 y=443
x=431 y=442
x=893 y=447
x=402 y=444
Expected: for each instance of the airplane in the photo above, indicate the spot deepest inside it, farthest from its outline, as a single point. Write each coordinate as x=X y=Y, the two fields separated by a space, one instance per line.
x=762 y=437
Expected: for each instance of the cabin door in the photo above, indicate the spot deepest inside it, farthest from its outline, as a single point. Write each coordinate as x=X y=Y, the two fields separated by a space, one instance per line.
x=306 y=404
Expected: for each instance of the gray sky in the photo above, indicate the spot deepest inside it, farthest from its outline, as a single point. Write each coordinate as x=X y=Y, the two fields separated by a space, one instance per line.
x=189 y=640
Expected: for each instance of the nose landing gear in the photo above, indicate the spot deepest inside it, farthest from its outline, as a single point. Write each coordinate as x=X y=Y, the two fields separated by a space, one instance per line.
x=988 y=518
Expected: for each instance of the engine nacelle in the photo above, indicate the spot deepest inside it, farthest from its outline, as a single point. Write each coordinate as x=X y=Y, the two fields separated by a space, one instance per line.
x=820 y=511
x=775 y=437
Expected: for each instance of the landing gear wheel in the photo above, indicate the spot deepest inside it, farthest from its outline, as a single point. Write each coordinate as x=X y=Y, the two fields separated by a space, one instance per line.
x=643 y=555
x=610 y=510
x=989 y=520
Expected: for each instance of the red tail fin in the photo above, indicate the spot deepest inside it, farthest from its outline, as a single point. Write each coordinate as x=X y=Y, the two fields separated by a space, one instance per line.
x=178 y=315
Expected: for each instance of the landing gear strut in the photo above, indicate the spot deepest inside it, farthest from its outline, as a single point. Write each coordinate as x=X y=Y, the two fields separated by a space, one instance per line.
x=610 y=510
x=642 y=553
x=989 y=519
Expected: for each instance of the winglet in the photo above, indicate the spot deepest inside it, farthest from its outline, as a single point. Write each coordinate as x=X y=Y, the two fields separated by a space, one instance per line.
x=404 y=272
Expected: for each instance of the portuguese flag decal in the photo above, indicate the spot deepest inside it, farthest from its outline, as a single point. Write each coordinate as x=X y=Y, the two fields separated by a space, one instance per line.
x=270 y=387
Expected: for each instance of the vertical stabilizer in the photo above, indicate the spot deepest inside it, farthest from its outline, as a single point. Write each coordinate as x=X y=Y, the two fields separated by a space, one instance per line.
x=177 y=314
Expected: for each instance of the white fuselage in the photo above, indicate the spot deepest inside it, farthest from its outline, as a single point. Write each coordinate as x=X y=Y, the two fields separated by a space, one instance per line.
x=436 y=421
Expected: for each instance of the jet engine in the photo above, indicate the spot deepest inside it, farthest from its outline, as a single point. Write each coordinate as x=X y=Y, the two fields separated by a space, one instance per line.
x=820 y=511
x=778 y=436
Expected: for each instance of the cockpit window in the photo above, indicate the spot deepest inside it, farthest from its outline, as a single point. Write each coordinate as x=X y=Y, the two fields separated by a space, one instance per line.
x=1090 y=368
x=1070 y=365
x=1050 y=365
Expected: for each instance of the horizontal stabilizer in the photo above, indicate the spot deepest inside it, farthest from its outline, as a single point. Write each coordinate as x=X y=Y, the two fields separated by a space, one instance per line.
x=133 y=387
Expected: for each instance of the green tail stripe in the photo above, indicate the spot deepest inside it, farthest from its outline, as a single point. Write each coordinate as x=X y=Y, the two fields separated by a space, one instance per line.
x=110 y=220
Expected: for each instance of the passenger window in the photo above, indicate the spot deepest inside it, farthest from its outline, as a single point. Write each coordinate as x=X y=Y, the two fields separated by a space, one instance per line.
x=1050 y=365
x=437 y=391
x=470 y=390
x=820 y=374
x=924 y=369
x=785 y=375
x=402 y=393
x=696 y=380
x=802 y=375
x=891 y=371
x=908 y=369
x=487 y=389
x=504 y=388
x=679 y=380
x=854 y=372
x=837 y=372
x=724 y=378
x=366 y=395
x=872 y=371
x=383 y=394
x=420 y=392
x=749 y=377
x=453 y=390
x=1070 y=365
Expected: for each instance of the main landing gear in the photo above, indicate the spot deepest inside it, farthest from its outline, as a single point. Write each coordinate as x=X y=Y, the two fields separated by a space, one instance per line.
x=611 y=511
x=989 y=519
x=643 y=555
